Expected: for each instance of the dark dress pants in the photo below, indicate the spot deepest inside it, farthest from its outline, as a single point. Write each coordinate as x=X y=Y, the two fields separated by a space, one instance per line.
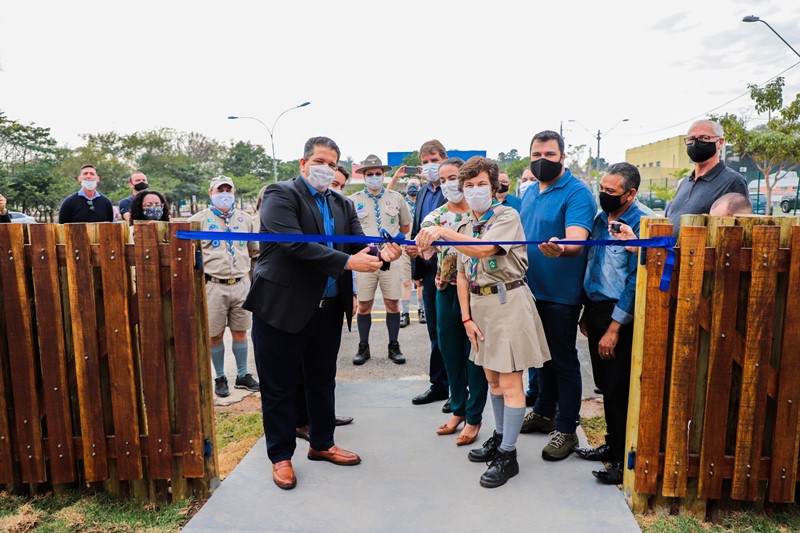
x=611 y=375
x=437 y=370
x=560 y=378
x=283 y=360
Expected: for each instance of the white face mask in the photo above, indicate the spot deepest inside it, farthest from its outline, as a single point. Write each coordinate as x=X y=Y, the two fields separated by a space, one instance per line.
x=374 y=182
x=223 y=200
x=524 y=186
x=451 y=192
x=89 y=185
x=479 y=198
x=320 y=177
x=431 y=171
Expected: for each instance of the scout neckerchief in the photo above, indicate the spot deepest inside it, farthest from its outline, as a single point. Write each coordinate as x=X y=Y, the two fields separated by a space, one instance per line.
x=375 y=200
x=477 y=229
x=411 y=205
x=227 y=217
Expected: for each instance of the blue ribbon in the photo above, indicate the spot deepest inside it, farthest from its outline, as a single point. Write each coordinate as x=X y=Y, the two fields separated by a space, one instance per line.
x=652 y=242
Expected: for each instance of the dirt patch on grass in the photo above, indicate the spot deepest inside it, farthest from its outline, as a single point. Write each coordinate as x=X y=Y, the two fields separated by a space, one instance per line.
x=233 y=453
x=592 y=408
x=25 y=519
x=249 y=404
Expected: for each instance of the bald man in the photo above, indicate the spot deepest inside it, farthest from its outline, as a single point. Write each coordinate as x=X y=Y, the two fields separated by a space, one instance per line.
x=731 y=204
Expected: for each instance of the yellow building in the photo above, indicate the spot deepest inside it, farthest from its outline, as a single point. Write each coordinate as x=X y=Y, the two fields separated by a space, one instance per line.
x=657 y=160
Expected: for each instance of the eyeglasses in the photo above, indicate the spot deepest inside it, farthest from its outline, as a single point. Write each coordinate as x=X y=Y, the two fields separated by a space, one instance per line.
x=701 y=138
x=90 y=204
x=151 y=204
x=368 y=174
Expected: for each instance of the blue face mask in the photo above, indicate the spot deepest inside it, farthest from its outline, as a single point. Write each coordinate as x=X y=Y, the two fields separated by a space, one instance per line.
x=223 y=200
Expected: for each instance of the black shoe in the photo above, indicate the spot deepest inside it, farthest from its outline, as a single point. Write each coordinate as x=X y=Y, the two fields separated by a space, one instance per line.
x=530 y=400
x=446 y=407
x=429 y=396
x=405 y=320
x=343 y=420
x=503 y=467
x=598 y=391
x=601 y=453
x=487 y=451
x=247 y=382
x=395 y=354
x=362 y=355
x=221 y=387
x=610 y=475
x=421 y=316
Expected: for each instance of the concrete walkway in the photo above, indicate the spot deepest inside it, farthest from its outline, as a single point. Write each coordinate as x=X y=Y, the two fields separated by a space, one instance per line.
x=411 y=480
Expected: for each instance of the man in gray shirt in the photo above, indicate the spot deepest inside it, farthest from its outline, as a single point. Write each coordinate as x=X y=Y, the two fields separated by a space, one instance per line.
x=709 y=180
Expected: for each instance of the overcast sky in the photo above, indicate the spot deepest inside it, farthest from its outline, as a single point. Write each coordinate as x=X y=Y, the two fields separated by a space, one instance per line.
x=386 y=76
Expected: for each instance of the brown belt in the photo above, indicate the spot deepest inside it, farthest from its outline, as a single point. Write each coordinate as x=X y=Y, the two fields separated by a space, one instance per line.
x=229 y=281
x=492 y=289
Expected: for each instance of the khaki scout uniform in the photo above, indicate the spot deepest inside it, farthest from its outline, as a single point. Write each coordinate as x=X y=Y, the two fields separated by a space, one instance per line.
x=394 y=213
x=227 y=285
x=513 y=332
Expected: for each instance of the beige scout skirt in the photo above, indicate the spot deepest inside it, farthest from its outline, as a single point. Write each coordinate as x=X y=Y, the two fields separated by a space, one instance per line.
x=513 y=332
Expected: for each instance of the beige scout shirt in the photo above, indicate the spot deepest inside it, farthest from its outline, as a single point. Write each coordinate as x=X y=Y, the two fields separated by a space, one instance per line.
x=217 y=259
x=512 y=262
x=393 y=208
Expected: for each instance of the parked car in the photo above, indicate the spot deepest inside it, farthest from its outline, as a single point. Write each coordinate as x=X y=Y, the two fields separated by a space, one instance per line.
x=21 y=218
x=652 y=201
x=759 y=203
x=788 y=203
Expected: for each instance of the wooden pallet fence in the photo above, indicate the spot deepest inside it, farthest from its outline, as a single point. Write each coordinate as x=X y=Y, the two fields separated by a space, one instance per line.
x=715 y=379
x=105 y=371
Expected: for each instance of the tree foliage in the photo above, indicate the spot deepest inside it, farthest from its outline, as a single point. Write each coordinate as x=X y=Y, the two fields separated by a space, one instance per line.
x=775 y=148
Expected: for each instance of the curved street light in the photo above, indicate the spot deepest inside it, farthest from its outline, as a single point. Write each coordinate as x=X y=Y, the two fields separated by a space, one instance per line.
x=753 y=18
x=598 y=136
x=271 y=132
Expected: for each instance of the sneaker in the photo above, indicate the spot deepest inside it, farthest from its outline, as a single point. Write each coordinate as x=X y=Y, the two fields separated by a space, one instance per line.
x=421 y=316
x=247 y=382
x=503 y=467
x=560 y=446
x=395 y=354
x=221 y=387
x=362 y=355
x=487 y=451
x=534 y=422
x=405 y=320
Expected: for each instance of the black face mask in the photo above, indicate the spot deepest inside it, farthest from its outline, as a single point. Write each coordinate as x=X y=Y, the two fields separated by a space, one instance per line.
x=610 y=203
x=700 y=151
x=412 y=191
x=139 y=187
x=503 y=188
x=546 y=170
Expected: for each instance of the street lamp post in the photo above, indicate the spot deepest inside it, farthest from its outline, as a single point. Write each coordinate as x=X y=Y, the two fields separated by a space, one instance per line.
x=599 y=136
x=271 y=132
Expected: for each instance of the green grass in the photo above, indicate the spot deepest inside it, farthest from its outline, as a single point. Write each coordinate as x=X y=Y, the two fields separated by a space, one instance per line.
x=234 y=427
x=782 y=522
x=76 y=511
x=595 y=429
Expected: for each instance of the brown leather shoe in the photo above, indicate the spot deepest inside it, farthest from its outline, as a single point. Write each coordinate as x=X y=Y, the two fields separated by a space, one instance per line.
x=283 y=475
x=335 y=455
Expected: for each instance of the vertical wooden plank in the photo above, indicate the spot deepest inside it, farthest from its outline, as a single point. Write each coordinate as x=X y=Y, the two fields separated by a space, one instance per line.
x=52 y=352
x=786 y=436
x=652 y=367
x=151 y=338
x=6 y=454
x=723 y=345
x=120 y=354
x=22 y=357
x=684 y=359
x=758 y=346
x=87 y=354
x=187 y=375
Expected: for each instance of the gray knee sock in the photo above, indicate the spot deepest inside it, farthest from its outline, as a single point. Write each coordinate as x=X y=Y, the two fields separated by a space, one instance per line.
x=497 y=409
x=240 y=354
x=393 y=325
x=218 y=359
x=405 y=304
x=512 y=419
x=364 y=324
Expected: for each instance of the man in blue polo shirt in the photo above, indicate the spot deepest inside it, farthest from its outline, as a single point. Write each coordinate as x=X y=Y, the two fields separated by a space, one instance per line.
x=558 y=206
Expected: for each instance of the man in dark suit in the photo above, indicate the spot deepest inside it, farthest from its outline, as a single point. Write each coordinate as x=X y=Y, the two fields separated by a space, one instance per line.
x=429 y=197
x=299 y=295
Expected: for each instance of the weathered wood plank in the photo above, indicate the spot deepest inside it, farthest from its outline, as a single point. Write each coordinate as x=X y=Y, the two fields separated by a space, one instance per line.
x=151 y=337
x=723 y=345
x=52 y=352
x=786 y=436
x=87 y=351
x=22 y=357
x=684 y=360
x=120 y=353
x=758 y=346
x=652 y=367
x=186 y=354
